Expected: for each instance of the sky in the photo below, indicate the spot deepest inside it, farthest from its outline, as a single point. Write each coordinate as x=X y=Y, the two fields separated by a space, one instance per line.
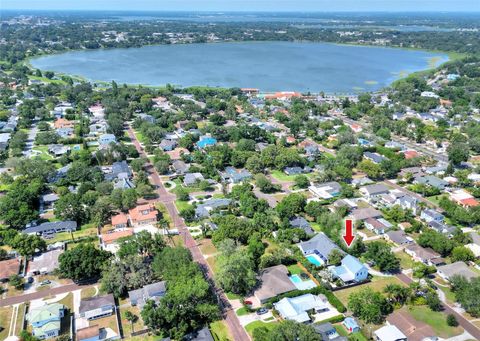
x=250 y=5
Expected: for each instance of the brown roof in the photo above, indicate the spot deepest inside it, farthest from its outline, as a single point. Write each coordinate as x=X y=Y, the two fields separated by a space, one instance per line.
x=176 y=154
x=274 y=281
x=88 y=332
x=62 y=123
x=422 y=252
x=119 y=219
x=143 y=213
x=109 y=238
x=9 y=267
x=414 y=330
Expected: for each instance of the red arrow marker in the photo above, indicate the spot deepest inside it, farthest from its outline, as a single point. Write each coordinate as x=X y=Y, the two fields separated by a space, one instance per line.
x=348 y=237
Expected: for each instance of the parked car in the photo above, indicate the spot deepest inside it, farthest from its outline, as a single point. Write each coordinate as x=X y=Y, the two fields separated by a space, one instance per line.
x=29 y=280
x=45 y=282
x=262 y=311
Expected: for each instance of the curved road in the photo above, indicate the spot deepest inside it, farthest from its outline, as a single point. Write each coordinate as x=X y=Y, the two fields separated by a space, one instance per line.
x=168 y=199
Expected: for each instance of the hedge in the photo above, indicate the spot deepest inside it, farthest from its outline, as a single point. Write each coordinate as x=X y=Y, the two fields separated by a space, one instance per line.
x=335 y=319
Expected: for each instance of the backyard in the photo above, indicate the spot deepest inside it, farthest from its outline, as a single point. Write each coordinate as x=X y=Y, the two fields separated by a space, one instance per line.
x=435 y=319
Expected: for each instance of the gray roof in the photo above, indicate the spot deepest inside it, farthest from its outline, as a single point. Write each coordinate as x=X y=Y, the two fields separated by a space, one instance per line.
x=203 y=210
x=92 y=303
x=432 y=181
x=365 y=213
x=52 y=227
x=457 y=269
x=147 y=292
x=321 y=244
x=375 y=189
x=398 y=237
x=273 y=281
x=302 y=223
x=203 y=335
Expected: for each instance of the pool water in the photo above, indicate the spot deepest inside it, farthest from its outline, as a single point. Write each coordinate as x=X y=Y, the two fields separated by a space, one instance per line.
x=315 y=260
x=301 y=284
x=295 y=279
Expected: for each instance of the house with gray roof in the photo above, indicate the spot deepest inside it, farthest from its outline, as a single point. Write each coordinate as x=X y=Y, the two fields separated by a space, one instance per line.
x=192 y=179
x=301 y=223
x=320 y=245
x=431 y=180
x=361 y=214
x=118 y=170
x=58 y=150
x=154 y=291
x=398 y=237
x=374 y=191
x=328 y=332
x=374 y=157
x=273 y=281
x=167 y=145
x=97 y=307
x=456 y=269
x=180 y=167
x=234 y=176
x=203 y=210
x=49 y=229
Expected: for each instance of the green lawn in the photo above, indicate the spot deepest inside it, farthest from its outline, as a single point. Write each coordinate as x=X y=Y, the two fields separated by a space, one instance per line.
x=406 y=261
x=5 y=318
x=281 y=176
x=258 y=324
x=437 y=320
x=377 y=284
x=358 y=336
x=242 y=311
x=182 y=205
x=294 y=269
x=220 y=331
x=85 y=231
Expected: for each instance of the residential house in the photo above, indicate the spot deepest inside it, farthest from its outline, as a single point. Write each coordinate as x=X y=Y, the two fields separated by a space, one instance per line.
x=374 y=157
x=120 y=221
x=421 y=254
x=203 y=210
x=326 y=190
x=431 y=180
x=203 y=334
x=118 y=170
x=143 y=215
x=377 y=225
x=44 y=263
x=9 y=267
x=64 y=133
x=361 y=181
x=350 y=271
x=273 y=281
x=328 y=332
x=106 y=139
x=97 y=307
x=146 y=117
x=58 y=150
x=389 y=333
x=442 y=228
x=167 y=145
x=319 y=245
x=407 y=202
x=301 y=223
x=63 y=123
x=351 y=325
x=49 y=229
x=297 y=308
x=180 y=167
x=46 y=320
x=47 y=201
x=412 y=328
x=348 y=203
x=463 y=198
x=374 y=191
x=234 y=176
x=192 y=179
x=398 y=237
x=456 y=269
x=154 y=291
x=177 y=153
x=429 y=215
x=361 y=214
x=98 y=128
x=109 y=241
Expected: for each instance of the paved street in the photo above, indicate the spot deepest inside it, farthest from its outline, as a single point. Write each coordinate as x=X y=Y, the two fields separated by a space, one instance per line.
x=168 y=199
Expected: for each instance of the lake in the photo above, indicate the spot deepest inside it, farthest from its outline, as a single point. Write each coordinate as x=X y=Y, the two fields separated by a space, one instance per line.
x=269 y=66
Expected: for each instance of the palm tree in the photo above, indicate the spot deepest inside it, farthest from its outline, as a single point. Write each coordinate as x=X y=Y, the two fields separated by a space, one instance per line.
x=132 y=318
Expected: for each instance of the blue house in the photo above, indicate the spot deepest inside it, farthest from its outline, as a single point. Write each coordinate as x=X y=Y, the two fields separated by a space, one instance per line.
x=106 y=139
x=206 y=141
x=351 y=325
x=351 y=270
x=430 y=215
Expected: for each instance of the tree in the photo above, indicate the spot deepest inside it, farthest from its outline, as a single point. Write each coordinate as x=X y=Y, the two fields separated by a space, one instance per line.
x=437 y=241
x=302 y=181
x=452 y=320
x=27 y=245
x=467 y=293
x=265 y=185
x=457 y=152
x=83 y=262
x=69 y=207
x=143 y=243
x=335 y=257
x=421 y=270
x=462 y=253
x=287 y=330
x=235 y=272
x=373 y=170
x=397 y=293
x=16 y=281
x=433 y=301
x=383 y=256
x=290 y=205
x=369 y=305
x=132 y=318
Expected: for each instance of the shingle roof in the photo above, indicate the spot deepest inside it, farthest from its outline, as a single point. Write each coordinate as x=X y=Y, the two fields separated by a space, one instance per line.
x=93 y=303
x=274 y=281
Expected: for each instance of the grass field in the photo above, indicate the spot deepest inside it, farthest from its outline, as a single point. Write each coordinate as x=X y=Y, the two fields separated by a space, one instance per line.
x=5 y=318
x=182 y=205
x=358 y=336
x=258 y=324
x=377 y=284
x=220 y=331
x=281 y=176
x=207 y=247
x=406 y=261
x=126 y=325
x=88 y=292
x=435 y=319
x=242 y=311
x=21 y=312
x=294 y=269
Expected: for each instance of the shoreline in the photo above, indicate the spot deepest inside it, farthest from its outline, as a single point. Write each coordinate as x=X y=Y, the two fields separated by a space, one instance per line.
x=451 y=56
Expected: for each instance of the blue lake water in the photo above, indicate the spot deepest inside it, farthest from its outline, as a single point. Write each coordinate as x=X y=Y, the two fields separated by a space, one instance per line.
x=269 y=66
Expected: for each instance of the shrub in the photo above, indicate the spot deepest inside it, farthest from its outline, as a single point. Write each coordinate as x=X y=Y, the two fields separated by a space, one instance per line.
x=452 y=320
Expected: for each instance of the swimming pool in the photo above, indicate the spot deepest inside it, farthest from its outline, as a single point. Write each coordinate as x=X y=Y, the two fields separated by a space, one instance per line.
x=315 y=260
x=301 y=284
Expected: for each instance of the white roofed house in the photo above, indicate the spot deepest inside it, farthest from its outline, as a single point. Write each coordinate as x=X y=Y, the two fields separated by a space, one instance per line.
x=297 y=308
x=373 y=192
x=326 y=190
